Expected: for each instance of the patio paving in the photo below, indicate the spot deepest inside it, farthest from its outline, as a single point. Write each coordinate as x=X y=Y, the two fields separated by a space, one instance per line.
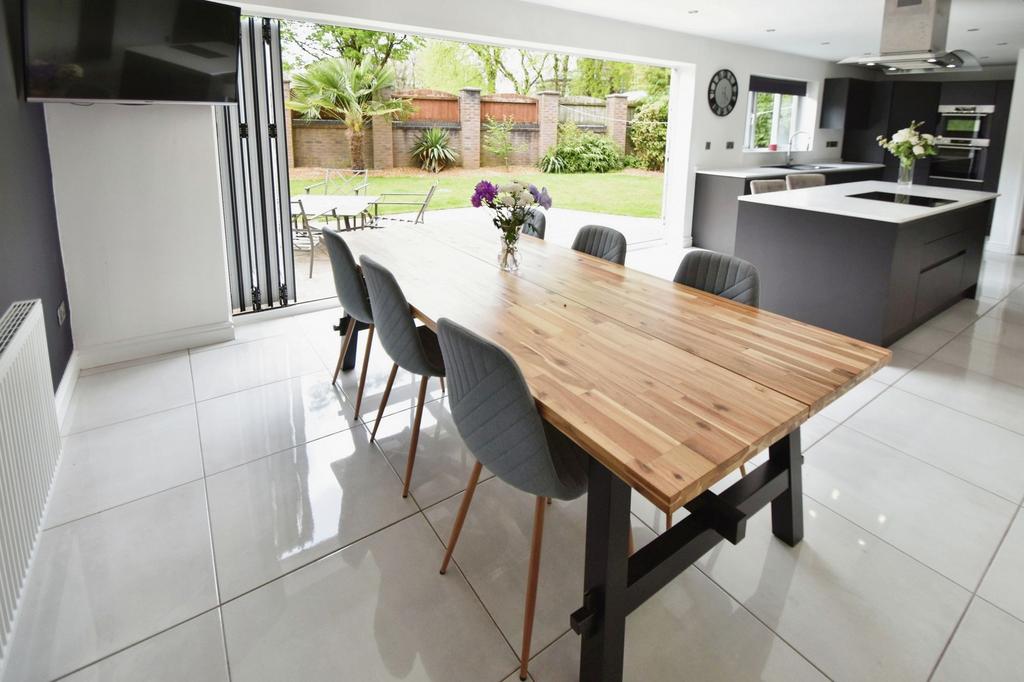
x=647 y=250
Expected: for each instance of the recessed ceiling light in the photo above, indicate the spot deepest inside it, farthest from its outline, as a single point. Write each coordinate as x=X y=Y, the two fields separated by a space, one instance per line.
x=770 y=30
x=950 y=66
x=1000 y=44
x=972 y=30
x=932 y=60
x=693 y=11
x=892 y=68
x=985 y=57
x=870 y=64
x=826 y=43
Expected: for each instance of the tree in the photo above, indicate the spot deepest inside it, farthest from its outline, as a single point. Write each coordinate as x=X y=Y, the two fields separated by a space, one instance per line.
x=498 y=139
x=495 y=61
x=655 y=80
x=346 y=91
x=490 y=58
x=305 y=43
x=448 y=66
x=599 y=77
x=648 y=131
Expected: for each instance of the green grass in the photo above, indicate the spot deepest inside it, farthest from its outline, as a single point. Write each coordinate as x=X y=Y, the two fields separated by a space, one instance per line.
x=616 y=193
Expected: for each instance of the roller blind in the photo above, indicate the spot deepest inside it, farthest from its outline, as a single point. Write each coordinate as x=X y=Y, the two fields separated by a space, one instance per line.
x=778 y=86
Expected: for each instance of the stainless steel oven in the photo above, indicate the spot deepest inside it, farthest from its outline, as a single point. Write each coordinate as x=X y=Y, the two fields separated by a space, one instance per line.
x=960 y=159
x=964 y=121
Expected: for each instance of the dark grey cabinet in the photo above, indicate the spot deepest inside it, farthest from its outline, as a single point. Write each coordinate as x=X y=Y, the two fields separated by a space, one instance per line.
x=968 y=92
x=861 y=109
x=912 y=101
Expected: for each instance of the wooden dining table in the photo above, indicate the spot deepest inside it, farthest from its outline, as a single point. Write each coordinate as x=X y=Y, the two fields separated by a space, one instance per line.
x=669 y=389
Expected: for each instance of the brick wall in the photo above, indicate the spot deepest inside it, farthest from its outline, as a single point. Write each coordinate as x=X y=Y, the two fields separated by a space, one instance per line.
x=526 y=137
x=325 y=144
x=407 y=133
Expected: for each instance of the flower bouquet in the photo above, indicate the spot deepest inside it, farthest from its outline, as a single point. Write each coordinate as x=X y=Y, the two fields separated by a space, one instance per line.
x=511 y=204
x=908 y=145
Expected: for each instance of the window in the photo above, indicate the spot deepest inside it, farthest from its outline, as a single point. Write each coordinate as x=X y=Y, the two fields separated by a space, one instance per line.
x=773 y=110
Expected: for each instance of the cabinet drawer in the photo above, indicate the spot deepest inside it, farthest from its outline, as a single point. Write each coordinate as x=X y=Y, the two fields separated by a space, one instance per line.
x=937 y=286
x=944 y=248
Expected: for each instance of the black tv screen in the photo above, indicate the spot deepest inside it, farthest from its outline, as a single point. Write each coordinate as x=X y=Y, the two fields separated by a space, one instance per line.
x=131 y=51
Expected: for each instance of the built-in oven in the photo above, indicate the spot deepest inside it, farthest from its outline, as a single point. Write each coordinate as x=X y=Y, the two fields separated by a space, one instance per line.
x=964 y=121
x=960 y=159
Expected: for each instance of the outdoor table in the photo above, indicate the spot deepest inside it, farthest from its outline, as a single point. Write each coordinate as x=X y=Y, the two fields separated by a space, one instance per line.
x=337 y=206
x=668 y=388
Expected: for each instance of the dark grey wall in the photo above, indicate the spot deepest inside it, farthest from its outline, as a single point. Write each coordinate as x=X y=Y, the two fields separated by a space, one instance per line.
x=30 y=260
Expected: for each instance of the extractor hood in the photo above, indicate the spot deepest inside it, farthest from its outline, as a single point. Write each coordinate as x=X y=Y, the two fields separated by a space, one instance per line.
x=914 y=41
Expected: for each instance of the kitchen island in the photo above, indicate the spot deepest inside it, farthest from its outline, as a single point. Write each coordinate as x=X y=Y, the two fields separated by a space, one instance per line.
x=865 y=258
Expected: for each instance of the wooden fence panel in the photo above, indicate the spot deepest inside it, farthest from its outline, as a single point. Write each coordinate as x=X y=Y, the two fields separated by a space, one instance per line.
x=518 y=111
x=435 y=109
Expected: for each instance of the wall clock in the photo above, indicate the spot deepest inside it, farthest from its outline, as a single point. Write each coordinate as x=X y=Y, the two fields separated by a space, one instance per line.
x=722 y=92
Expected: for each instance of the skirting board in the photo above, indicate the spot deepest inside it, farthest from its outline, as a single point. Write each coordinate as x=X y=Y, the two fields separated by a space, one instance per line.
x=66 y=388
x=154 y=344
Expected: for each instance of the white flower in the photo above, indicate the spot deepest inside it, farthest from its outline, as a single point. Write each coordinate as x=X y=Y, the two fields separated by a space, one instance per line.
x=918 y=150
x=928 y=138
x=901 y=135
x=525 y=198
x=506 y=199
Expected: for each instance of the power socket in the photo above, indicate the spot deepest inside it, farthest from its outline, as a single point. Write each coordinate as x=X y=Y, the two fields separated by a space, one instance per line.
x=62 y=313
x=729 y=144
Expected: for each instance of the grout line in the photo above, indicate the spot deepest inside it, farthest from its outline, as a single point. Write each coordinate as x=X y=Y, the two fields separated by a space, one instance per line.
x=122 y=504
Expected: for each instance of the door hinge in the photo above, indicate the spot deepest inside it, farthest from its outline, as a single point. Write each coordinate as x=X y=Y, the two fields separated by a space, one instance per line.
x=272 y=130
x=243 y=130
x=266 y=31
x=283 y=293
x=257 y=299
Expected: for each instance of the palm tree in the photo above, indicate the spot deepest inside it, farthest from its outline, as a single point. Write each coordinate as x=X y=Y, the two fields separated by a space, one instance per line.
x=351 y=92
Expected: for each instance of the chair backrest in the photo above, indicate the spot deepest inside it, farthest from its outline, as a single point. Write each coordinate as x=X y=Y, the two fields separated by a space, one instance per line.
x=801 y=180
x=765 y=186
x=392 y=318
x=497 y=417
x=348 y=281
x=536 y=223
x=426 y=203
x=344 y=180
x=716 y=273
x=601 y=241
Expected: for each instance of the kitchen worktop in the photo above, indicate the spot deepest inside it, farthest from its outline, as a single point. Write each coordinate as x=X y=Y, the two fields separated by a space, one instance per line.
x=836 y=200
x=755 y=172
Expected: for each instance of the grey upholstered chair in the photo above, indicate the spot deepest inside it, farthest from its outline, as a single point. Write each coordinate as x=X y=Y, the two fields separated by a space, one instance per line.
x=801 y=180
x=765 y=186
x=497 y=418
x=414 y=349
x=351 y=288
x=716 y=273
x=601 y=241
x=535 y=224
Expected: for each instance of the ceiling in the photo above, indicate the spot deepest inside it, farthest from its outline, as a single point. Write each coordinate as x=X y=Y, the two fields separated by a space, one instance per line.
x=826 y=29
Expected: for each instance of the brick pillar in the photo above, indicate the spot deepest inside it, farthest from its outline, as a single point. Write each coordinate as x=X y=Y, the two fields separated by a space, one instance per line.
x=289 y=138
x=547 y=117
x=383 y=140
x=616 y=111
x=469 y=120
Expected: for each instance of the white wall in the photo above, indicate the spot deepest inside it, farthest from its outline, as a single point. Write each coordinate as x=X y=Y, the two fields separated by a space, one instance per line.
x=139 y=213
x=1008 y=218
x=555 y=29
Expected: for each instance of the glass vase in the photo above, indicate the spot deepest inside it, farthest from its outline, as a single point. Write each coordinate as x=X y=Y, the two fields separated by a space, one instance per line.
x=906 y=176
x=509 y=256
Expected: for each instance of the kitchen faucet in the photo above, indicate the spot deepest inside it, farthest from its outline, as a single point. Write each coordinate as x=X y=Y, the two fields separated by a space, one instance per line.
x=789 y=147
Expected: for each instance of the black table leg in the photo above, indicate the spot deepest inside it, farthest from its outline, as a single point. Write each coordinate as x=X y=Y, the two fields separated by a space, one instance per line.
x=350 y=355
x=605 y=575
x=788 y=508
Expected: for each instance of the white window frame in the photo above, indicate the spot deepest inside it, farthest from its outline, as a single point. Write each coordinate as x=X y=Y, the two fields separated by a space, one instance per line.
x=794 y=118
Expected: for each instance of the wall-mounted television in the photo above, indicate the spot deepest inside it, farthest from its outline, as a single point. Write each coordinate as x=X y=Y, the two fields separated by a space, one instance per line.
x=131 y=51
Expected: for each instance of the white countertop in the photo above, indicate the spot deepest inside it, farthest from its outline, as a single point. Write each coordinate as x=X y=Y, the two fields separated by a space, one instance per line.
x=754 y=172
x=836 y=200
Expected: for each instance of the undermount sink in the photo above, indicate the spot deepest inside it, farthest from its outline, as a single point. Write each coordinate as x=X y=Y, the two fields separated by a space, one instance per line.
x=799 y=166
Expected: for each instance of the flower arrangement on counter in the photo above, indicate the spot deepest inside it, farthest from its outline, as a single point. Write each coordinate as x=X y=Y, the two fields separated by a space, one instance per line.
x=511 y=204
x=908 y=145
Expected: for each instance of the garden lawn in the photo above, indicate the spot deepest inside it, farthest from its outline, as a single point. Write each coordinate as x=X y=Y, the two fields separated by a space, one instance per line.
x=623 y=193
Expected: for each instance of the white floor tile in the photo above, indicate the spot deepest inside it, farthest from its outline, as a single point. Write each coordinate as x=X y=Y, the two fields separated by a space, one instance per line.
x=924 y=340
x=903 y=361
x=247 y=425
x=111 y=465
x=976 y=394
x=246 y=365
x=848 y=404
x=377 y=610
x=942 y=436
x=691 y=630
x=999 y=362
x=192 y=651
x=961 y=314
x=283 y=511
x=443 y=462
x=997 y=331
x=940 y=520
x=854 y=606
x=986 y=646
x=1009 y=311
x=110 y=580
x=127 y=392
x=1003 y=585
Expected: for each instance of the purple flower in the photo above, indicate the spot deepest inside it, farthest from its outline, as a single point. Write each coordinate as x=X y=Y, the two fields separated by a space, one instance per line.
x=483 y=193
x=544 y=199
x=535 y=192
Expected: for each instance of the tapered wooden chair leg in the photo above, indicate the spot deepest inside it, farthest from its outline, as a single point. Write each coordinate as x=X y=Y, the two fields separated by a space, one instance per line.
x=531 y=585
x=668 y=520
x=366 y=365
x=414 y=441
x=349 y=331
x=743 y=470
x=460 y=518
x=384 y=400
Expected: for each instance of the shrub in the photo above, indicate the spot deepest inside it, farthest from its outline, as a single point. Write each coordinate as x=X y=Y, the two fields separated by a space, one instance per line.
x=498 y=139
x=580 y=151
x=433 y=150
x=648 y=130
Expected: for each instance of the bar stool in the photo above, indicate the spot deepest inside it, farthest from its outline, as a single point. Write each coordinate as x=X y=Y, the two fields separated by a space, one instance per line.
x=801 y=180
x=414 y=349
x=766 y=186
x=601 y=241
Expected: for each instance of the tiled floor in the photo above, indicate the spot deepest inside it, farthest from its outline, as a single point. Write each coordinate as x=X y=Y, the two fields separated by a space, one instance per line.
x=219 y=514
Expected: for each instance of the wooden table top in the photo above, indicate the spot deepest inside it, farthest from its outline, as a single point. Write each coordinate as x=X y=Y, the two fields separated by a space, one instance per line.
x=669 y=387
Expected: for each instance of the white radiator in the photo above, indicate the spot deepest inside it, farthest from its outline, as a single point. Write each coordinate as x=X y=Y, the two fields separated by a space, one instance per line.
x=29 y=449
